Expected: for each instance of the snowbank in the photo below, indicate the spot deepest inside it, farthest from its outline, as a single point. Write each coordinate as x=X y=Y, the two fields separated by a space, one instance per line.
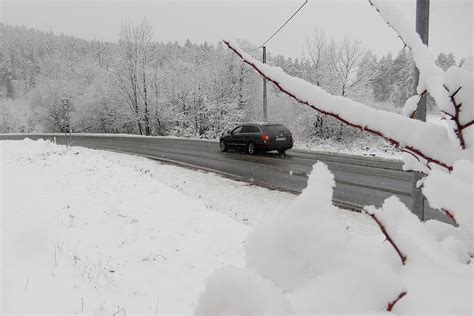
x=96 y=232
x=320 y=266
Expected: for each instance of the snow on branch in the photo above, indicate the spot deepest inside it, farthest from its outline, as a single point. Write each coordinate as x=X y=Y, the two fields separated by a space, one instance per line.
x=432 y=77
x=458 y=204
x=429 y=143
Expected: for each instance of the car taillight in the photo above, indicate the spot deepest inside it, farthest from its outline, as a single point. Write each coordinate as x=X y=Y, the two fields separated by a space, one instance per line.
x=265 y=137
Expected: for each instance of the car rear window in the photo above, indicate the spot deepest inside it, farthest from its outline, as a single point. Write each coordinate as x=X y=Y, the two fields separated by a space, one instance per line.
x=275 y=128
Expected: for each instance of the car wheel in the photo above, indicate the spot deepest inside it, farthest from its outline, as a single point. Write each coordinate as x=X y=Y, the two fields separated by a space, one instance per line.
x=251 y=148
x=223 y=145
x=281 y=151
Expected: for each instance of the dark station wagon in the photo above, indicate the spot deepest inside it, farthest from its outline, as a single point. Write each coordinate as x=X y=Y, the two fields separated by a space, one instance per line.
x=255 y=137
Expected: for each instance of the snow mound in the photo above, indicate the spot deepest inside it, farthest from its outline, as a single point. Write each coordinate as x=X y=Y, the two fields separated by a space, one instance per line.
x=297 y=245
x=320 y=266
x=233 y=291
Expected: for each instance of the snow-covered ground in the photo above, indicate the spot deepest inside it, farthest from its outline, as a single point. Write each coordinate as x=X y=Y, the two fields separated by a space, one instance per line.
x=98 y=232
x=359 y=147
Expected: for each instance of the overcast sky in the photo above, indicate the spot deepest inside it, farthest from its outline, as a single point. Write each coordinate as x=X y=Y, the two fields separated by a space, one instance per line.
x=450 y=28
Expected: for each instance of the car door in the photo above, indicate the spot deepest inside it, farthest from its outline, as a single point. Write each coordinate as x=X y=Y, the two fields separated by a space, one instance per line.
x=245 y=135
x=235 y=136
x=254 y=134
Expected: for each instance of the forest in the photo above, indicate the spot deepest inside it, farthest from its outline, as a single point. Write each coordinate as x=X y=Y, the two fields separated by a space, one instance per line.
x=140 y=86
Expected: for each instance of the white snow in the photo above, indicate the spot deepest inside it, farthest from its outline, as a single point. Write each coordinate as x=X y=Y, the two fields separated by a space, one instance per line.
x=410 y=105
x=98 y=232
x=322 y=268
x=358 y=147
x=92 y=231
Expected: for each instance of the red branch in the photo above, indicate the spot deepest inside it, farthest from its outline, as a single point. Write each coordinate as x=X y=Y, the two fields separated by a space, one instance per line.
x=429 y=160
x=389 y=25
x=467 y=125
x=392 y=303
x=455 y=117
x=392 y=141
x=412 y=154
x=450 y=215
x=390 y=240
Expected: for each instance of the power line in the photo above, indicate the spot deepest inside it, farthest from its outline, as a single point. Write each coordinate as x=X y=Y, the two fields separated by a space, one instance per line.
x=283 y=25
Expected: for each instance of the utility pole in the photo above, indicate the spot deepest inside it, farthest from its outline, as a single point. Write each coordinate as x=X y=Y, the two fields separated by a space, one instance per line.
x=67 y=118
x=264 y=86
x=422 y=28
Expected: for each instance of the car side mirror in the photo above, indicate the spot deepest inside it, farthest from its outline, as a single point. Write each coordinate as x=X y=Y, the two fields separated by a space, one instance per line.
x=229 y=132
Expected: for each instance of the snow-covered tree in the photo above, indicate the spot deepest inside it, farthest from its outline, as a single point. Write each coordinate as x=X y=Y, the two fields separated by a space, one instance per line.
x=444 y=61
x=345 y=58
x=131 y=70
x=317 y=52
x=403 y=70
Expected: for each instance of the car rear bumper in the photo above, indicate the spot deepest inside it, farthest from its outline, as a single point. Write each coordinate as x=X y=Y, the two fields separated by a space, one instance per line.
x=275 y=145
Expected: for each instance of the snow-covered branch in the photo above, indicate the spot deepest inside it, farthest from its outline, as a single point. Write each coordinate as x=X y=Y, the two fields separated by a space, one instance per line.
x=432 y=77
x=430 y=143
x=458 y=204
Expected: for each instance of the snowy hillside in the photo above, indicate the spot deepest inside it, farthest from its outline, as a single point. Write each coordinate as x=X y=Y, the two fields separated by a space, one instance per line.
x=98 y=232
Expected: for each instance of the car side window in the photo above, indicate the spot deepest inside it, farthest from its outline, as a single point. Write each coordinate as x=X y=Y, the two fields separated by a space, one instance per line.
x=246 y=129
x=237 y=130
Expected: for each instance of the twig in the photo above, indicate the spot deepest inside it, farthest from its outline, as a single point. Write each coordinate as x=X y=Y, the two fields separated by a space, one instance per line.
x=82 y=304
x=467 y=125
x=390 y=240
x=98 y=290
x=389 y=25
x=55 y=260
x=392 y=303
x=450 y=215
x=120 y=311
x=455 y=117
x=156 y=306
x=27 y=280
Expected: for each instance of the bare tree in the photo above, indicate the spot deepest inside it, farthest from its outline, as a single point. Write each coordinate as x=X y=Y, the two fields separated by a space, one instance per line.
x=345 y=58
x=317 y=56
x=316 y=49
x=135 y=49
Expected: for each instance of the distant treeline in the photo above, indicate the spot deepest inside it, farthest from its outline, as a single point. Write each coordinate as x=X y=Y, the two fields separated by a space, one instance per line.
x=196 y=90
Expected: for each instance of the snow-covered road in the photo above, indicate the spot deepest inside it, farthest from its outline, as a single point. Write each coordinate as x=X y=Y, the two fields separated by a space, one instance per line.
x=93 y=231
